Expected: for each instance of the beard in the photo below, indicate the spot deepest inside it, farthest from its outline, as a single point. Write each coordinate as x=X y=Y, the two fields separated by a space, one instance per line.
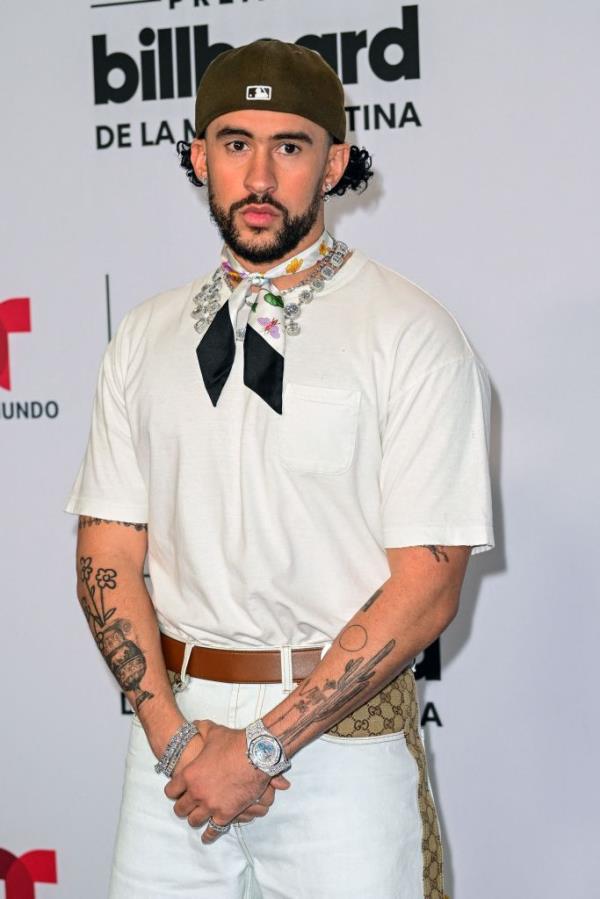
x=292 y=230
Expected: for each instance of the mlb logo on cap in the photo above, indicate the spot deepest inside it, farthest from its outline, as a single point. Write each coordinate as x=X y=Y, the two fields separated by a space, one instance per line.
x=258 y=92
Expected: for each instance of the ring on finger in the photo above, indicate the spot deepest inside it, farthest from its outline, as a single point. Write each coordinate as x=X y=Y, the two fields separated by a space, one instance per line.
x=218 y=828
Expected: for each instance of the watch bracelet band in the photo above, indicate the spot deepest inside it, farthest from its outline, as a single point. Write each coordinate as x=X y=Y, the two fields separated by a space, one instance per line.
x=255 y=728
x=180 y=739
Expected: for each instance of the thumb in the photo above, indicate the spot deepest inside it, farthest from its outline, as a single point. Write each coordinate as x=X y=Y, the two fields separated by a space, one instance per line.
x=204 y=726
x=280 y=782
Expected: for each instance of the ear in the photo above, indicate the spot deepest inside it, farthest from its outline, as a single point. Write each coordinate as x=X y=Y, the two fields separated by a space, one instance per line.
x=198 y=158
x=337 y=160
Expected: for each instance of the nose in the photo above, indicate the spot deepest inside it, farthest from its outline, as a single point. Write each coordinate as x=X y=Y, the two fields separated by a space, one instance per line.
x=260 y=175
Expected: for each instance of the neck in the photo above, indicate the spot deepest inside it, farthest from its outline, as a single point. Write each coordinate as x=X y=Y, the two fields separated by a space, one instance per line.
x=286 y=281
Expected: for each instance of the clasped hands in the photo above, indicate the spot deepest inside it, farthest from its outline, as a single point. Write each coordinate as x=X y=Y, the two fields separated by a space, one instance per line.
x=214 y=778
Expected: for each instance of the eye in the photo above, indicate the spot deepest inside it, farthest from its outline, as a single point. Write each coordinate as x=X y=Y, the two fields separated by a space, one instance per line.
x=236 y=146
x=289 y=149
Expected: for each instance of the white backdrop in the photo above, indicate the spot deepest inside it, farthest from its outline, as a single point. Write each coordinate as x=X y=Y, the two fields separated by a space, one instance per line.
x=487 y=196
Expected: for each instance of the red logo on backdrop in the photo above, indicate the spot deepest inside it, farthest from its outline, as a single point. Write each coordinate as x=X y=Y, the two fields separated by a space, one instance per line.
x=14 y=318
x=21 y=873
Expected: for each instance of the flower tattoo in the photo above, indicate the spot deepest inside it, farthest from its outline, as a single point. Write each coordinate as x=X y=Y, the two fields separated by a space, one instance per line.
x=105 y=578
x=85 y=566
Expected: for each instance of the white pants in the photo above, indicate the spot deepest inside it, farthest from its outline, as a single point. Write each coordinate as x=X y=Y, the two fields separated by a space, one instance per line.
x=349 y=825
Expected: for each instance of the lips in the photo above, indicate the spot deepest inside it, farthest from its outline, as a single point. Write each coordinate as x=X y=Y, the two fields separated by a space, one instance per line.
x=259 y=215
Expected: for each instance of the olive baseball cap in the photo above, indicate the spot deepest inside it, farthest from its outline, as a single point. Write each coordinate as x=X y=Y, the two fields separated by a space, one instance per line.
x=273 y=75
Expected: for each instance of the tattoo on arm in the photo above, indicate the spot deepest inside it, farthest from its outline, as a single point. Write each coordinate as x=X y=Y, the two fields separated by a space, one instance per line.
x=438 y=552
x=124 y=658
x=86 y=522
x=353 y=638
x=319 y=703
x=372 y=599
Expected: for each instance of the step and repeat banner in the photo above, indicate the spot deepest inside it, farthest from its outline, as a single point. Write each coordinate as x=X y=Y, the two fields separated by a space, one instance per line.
x=481 y=121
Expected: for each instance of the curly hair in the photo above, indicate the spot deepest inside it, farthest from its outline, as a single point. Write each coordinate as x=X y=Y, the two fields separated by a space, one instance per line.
x=356 y=174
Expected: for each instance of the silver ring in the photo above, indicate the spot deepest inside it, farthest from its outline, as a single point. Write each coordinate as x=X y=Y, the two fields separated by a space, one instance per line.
x=219 y=828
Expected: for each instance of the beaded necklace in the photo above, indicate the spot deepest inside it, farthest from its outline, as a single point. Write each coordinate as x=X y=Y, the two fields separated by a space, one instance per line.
x=206 y=302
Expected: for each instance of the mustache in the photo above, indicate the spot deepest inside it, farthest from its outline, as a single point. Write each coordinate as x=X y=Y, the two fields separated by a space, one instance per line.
x=257 y=200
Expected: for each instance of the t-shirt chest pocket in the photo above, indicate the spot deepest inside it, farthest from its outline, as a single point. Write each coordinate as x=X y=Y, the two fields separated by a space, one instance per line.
x=318 y=428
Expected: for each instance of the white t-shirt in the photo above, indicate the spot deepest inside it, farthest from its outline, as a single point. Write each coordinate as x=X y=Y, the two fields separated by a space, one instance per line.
x=267 y=529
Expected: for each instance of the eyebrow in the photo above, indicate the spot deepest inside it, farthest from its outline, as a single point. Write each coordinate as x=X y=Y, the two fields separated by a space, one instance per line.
x=300 y=136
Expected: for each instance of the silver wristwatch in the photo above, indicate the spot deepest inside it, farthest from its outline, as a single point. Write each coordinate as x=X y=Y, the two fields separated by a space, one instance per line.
x=265 y=751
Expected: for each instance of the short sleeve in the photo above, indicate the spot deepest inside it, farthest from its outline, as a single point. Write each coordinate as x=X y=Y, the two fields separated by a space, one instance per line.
x=435 y=480
x=109 y=484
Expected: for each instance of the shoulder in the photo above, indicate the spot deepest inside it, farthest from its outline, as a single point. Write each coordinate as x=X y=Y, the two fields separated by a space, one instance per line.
x=155 y=316
x=415 y=326
x=163 y=307
x=406 y=307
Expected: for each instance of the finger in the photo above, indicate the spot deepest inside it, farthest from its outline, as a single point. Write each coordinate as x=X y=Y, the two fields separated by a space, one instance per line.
x=176 y=787
x=184 y=805
x=256 y=810
x=259 y=807
x=210 y=835
x=267 y=799
x=280 y=782
x=244 y=818
x=204 y=726
x=197 y=817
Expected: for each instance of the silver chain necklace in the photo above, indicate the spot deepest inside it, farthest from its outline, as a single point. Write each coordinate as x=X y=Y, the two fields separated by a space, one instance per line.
x=206 y=302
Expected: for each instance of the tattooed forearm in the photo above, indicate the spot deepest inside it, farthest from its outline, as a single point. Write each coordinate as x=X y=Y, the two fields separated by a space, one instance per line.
x=86 y=522
x=372 y=599
x=320 y=703
x=438 y=552
x=124 y=658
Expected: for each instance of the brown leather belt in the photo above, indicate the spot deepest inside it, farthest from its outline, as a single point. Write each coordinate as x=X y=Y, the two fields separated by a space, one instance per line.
x=235 y=666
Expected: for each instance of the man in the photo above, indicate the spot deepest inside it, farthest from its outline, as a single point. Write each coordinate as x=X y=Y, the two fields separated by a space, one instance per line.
x=298 y=440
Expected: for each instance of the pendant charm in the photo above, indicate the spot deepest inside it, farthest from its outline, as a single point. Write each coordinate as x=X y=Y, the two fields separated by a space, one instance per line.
x=206 y=303
x=292 y=310
x=305 y=296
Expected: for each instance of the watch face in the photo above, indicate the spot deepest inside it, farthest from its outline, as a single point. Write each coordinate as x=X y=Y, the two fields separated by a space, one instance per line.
x=264 y=751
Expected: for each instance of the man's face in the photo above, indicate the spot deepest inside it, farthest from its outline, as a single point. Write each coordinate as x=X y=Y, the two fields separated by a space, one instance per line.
x=266 y=173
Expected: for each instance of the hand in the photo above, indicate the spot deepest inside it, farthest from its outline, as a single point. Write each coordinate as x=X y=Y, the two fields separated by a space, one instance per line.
x=258 y=809
x=220 y=781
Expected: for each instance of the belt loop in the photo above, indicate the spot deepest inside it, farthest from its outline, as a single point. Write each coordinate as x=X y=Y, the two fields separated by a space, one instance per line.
x=260 y=701
x=183 y=679
x=326 y=648
x=287 y=679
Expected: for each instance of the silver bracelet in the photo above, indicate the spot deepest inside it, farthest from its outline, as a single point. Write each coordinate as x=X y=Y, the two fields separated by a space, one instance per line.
x=175 y=746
